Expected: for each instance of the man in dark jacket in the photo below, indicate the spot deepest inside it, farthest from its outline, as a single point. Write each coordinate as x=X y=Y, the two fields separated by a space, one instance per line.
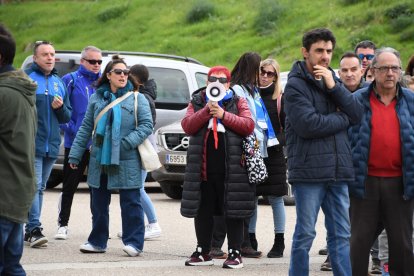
x=318 y=112
x=80 y=86
x=17 y=134
x=215 y=182
x=52 y=103
x=382 y=195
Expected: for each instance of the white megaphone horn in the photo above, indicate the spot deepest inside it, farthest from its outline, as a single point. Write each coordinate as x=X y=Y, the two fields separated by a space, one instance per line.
x=215 y=91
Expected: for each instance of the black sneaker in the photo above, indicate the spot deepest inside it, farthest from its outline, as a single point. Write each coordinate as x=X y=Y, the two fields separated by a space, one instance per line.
x=26 y=238
x=217 y=253
x=234 y=260
x=199 y=259
x=36 y=238
x=326 y=266
x=376 y=267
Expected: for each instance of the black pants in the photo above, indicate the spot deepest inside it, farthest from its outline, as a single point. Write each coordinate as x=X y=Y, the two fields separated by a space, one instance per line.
x=71 y=179
x=212 y=204
x=219 y=231
x=382 y=207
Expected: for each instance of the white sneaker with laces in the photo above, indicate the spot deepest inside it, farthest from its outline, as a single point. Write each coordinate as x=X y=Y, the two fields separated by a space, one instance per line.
x=131 y=251
x=89 y=248
x=152 y=231
x=62 y=233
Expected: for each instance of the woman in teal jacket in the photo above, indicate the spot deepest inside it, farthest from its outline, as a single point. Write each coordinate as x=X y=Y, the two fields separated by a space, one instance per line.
x=114 y=160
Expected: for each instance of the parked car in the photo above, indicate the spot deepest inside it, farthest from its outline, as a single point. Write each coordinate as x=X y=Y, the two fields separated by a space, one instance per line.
x=172 y=145
x=176 y=77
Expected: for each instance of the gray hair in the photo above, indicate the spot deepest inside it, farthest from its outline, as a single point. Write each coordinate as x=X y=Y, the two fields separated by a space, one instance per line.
x=89 y=48
x=380 y=51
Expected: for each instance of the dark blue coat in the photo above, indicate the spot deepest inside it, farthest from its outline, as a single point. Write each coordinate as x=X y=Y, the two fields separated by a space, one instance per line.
x=317 y=120
x=360 y=137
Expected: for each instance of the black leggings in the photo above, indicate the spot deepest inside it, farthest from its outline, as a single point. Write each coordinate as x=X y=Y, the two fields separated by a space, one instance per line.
x=212 y=204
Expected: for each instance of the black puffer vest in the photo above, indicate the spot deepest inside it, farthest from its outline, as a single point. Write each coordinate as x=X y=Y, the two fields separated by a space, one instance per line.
x=239 y=199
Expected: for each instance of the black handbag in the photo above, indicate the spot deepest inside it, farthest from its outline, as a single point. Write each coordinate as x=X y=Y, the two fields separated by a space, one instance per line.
x=253 y=160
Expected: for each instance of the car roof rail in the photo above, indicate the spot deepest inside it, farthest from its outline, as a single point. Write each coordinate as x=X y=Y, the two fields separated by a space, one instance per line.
x=145 y=54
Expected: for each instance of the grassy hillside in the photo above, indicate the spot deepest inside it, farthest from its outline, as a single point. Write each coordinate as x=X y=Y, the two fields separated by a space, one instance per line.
x=231 y=27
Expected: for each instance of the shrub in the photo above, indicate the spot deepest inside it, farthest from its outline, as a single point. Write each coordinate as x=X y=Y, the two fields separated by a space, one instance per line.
x=402 y=22
x=269 y=13
x=111 y=13
x=351 y=2
x=201 y=10
x=407 y=35
x=399 y=10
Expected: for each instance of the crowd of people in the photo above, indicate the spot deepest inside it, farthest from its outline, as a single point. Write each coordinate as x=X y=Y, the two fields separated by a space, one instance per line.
x=347 y=142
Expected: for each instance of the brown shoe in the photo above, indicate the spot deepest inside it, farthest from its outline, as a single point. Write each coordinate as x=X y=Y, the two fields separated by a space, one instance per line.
x=217 y=253
x=249 y=252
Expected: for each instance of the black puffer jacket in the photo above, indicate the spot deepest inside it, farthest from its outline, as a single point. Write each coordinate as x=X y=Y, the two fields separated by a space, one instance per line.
x=149 y=89
x=239 y=198
x=275 y=162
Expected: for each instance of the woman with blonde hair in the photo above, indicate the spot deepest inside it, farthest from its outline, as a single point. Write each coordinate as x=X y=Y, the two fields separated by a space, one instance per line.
x=275 y=186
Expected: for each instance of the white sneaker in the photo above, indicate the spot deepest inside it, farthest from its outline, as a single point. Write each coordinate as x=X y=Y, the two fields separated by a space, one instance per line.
x=131 y=251
x=152 y=231
x=89 y=248
x=62 y=233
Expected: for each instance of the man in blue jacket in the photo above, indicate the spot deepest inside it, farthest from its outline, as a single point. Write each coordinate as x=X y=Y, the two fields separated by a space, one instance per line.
x=80 y=87
x=53 y=108
x=383 y=153
x=319 y=110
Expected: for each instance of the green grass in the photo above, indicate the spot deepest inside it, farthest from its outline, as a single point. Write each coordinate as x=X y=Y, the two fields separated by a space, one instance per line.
x=161 y=26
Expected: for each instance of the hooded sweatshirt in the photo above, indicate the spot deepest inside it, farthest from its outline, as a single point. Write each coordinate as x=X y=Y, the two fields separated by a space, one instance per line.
x=18 y=123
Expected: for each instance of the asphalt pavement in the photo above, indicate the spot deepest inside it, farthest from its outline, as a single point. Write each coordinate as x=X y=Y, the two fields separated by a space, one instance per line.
x=162 y=256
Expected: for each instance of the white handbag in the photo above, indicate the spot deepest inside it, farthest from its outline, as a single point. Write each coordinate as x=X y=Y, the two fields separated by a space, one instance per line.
x=149 y=157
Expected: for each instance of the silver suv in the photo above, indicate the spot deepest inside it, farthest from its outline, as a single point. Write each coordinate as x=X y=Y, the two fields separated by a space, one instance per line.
x=176 y=77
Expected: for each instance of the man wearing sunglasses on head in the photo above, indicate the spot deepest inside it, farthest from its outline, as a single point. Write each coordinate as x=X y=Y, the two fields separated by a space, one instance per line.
x=80 y=86
x=365 y=51
x=53 y=108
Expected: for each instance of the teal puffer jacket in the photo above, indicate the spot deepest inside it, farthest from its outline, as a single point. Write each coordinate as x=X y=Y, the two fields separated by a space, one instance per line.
x=128 y=174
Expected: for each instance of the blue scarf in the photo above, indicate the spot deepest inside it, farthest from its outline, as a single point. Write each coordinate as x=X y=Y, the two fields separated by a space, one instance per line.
x=108 y=129
x=263 y=119
x=91 y=76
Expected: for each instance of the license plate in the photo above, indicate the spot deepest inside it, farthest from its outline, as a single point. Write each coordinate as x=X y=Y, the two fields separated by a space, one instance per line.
x=176 y=159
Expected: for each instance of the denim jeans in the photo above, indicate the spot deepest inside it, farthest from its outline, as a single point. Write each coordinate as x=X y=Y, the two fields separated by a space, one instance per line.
x=11 y=249
x=43 y=167
x=146 y=202
x=131 y=213
x=279 y=216
x=334 y=199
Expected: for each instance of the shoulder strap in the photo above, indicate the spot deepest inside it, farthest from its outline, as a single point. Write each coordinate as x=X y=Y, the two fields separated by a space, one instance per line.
x=112 y=104
x=136 y=108
x=279 y=108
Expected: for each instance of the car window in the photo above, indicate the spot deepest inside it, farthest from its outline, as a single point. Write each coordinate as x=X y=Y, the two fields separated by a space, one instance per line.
x=201 y=79
x=62 y=67
x=172 y=85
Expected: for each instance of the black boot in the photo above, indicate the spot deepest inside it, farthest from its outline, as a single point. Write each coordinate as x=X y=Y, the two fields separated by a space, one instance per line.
x=253 y=241
x=278 y=246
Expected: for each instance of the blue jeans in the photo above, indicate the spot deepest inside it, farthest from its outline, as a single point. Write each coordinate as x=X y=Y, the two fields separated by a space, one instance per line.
x=11 y=249
x=43 y=167
x=334 y=199
x=279 y=216
x=146 y=202
x=131 y=213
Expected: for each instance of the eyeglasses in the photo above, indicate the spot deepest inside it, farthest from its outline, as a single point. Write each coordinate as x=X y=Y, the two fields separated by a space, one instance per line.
x=214 y=79
x=385 y=69
x=93 y=61
x=120 y=71
x=269 y=74
x=368 y=57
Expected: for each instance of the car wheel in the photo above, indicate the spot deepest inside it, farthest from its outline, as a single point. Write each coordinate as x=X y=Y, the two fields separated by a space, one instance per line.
x=172 y=189
x=54 y=180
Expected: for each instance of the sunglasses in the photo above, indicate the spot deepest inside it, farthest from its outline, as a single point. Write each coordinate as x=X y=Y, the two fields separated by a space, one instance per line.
x=270 y=74
x=214 y=79
x=41 y=42
x=368 y=57
x=120 y=71
x=93 y=61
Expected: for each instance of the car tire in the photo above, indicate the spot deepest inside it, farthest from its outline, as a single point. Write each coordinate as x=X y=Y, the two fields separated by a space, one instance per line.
x=54 y=180
x=289 y=200
x=172 y=189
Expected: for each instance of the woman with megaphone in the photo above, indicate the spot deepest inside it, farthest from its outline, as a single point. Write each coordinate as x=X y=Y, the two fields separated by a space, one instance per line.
x=215 y=183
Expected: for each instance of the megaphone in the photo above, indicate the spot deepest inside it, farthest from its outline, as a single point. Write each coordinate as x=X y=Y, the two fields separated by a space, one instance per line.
x=215 y=91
